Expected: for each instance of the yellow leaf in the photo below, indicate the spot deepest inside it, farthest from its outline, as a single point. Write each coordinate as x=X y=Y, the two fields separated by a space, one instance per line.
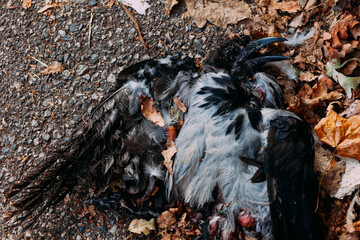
x=341 y=133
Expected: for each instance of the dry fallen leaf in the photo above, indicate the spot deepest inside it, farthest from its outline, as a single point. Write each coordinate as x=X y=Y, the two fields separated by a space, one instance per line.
x=142 y=226
x=168 y=154
x=340 y=133
x=338 y=43
x=180 y=105
x=220 y=13
x=150 y=112
x=48 y=6
x=331 y=170
x=26 y=4
x=307 y=76
x=54 y=68
x=310 y=98
x=167 y=218
x=169 y=4
x=285 y=6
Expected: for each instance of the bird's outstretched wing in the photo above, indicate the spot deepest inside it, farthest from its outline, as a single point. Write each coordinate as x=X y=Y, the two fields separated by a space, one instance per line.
x=119 y=145
x=291 y=180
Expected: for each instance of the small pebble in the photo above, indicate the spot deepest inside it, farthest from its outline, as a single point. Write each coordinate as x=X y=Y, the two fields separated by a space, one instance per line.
x=92 y=3
x=62 y=33
x=5 y=150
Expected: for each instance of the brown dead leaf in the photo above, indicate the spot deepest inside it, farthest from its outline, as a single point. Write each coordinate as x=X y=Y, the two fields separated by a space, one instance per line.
x=285 y=6
x=48 y=6
x=26 y=4
x=150 y=112
x=340 y=44
x=167 y=218
x=55 y=67
x=168 y=154
x=297 y=21
x=110 y=3
x=310 y=52
x=330 y=169
x=310 y=98
x=169 y=4
x=351 y=110
x=142 y=226
x=180 y=105
x=307 y=76
x=340 y=133
x=89 y=210
x=349 y=67
x=220 y=13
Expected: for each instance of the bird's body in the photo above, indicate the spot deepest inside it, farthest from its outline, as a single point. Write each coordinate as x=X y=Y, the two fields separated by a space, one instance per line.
x=228 y=141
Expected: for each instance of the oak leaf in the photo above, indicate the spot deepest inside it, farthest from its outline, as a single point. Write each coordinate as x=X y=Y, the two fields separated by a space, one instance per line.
x=150 y=112
x=55 y=67
x=340 y=133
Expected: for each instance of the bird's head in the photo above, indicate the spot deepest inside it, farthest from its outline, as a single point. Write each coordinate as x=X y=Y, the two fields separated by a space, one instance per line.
x=235 y=55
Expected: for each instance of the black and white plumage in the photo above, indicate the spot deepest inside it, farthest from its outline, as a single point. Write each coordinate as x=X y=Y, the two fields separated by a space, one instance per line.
x=235 y=140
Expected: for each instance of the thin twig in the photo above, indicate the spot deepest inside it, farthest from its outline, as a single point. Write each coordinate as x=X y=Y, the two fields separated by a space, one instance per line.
x=111 y=219
x=136 y=23
x=79 y=232
x=39 y=61
x=90 y=23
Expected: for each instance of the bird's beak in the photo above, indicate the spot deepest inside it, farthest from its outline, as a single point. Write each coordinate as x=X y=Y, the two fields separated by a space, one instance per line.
x=268 y=40
x=265 y=59
x=256 y=45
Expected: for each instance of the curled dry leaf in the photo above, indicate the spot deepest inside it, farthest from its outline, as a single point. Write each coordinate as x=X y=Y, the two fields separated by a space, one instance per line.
x=311 y=98
x=48 y=6
x=307 y=76
x=54 y=68
x=167 y=218
x=339 y=43
x=150 y=112
x=169 y=4
x=346 y=82
x=26 y=4
x=310 y=52
x=180 y=105
x=168 y=154
x=142 y=226
x=351 y=110
x=220 y=13
x=285 y=6
x=340 y=133
x=332 y=174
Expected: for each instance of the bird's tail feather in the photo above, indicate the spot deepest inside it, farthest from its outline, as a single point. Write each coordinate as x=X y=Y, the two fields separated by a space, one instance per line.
x=77 y=166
